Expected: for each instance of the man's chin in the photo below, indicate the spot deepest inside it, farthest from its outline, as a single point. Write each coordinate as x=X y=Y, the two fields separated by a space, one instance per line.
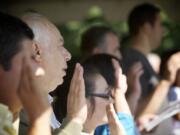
x=53 y=87
x=60 y=83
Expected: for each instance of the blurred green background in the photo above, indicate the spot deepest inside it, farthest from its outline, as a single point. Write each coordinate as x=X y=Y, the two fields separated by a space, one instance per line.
x=74 y=16
x=72 y=31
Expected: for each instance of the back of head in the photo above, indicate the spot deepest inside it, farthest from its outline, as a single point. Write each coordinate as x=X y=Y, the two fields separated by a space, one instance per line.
x=100 y=64
x=141 y=14
x=12 y=32
x=94 y=37
x=96 y=67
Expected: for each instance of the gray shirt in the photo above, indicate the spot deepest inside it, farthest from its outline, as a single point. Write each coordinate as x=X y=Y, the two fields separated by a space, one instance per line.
x=149 y=79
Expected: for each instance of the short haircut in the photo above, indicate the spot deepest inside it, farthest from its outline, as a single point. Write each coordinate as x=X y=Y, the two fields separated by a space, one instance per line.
x=94 y=37
x=99 y=64
x=12 y=32
x=141 y=14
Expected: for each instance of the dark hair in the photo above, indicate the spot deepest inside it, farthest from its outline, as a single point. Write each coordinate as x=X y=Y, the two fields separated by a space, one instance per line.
x=99 y=64
x=12 y=32
x=93 y=37
x=141 y=14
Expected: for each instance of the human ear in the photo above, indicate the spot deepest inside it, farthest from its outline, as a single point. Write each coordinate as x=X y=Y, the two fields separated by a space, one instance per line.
x=37 y=52
x=147 y=28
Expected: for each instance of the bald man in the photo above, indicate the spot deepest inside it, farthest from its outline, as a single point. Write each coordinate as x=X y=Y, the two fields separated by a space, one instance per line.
x=52 y=55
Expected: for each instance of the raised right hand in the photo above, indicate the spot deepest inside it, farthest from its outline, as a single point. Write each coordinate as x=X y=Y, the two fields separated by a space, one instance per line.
x=76 y=103
x=115 y=126
x=173 y=65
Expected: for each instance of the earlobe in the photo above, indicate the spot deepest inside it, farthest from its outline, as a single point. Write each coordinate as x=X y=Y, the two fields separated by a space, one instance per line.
x=37 y=53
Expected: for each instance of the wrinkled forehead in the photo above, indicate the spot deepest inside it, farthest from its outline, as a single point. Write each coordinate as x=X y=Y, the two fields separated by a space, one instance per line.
x=52 y=33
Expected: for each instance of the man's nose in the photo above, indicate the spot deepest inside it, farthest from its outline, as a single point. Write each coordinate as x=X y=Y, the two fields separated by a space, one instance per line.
x=67 y=55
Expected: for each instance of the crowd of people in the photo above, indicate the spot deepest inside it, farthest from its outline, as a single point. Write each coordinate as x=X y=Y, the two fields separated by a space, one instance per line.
x=109 y=92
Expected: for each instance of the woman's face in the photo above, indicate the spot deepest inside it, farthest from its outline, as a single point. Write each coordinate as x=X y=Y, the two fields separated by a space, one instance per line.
x=98 y=116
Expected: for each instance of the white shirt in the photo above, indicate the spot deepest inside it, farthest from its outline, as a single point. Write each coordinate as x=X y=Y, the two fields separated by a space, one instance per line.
x=54 y=122
x=83 y=133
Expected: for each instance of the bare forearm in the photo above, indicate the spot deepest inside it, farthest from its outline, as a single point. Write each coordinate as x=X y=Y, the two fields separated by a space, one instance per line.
x=158 y=97
x=121 y=104
x=133 y=99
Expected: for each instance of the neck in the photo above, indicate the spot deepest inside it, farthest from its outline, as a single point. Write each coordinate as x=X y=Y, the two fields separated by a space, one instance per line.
x=141 y=43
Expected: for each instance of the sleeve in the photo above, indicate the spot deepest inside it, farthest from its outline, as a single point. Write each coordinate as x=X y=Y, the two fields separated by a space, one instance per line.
x=6 y=119
x=127 y=122
x=68 y=128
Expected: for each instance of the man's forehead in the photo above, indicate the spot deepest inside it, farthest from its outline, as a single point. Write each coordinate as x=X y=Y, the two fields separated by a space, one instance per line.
x=61 y=39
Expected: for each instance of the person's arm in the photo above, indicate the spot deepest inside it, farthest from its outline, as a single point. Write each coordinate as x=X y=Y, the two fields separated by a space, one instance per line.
x=115 y=126
x=162 y=89
x=121 y=106
x=134 y=86
x=120 y=102
x=76 y=106
x=158 y=97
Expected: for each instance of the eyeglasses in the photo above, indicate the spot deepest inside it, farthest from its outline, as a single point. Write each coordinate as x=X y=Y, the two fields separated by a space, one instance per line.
x=107 y=96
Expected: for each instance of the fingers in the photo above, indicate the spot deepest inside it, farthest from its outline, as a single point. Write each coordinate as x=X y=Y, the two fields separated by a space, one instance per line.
x=77 y=80
x=115 y=126
x=112 y=118
x=75 y=75
x=173 y=65
x=76 y=104
x=82 y=83
x=144 y=120
x=121 y=81
x=123 y=84
x=117 y=67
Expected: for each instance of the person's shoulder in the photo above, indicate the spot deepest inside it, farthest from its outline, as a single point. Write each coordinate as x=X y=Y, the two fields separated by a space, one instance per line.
x=5 y=114
x=6 y=118
x=132 y=53
x=130 y=56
